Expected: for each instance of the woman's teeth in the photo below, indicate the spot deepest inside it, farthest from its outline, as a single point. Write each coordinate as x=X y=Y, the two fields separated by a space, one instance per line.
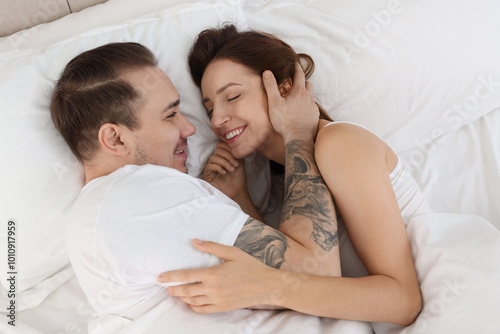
x=233 y=133
x=178 y=152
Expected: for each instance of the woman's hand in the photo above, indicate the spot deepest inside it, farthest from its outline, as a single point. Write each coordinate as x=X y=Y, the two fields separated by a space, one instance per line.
x=240 y=282
x=225 y=172
x=296 y=114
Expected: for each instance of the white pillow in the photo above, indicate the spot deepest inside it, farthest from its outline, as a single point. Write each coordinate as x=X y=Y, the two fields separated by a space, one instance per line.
x=407 y=70
x=459 y=171
x=40 y=178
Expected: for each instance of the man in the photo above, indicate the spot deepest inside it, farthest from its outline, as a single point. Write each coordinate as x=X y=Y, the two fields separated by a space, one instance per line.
x=138 y=212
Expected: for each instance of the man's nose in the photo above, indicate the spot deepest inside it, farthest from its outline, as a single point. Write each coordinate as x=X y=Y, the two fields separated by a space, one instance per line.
x=187 y=128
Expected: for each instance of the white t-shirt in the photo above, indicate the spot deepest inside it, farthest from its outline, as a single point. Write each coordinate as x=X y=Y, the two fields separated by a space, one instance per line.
x=128 y=227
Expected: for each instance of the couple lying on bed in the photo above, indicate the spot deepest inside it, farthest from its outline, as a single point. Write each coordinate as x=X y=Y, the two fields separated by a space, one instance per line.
x=135 y=218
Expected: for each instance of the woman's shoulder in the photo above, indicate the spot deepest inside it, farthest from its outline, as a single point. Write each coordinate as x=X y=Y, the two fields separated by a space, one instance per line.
x=344 y=133
x=352 y=142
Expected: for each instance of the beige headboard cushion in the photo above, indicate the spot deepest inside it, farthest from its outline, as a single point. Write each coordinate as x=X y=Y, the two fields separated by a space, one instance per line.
x=17 y=15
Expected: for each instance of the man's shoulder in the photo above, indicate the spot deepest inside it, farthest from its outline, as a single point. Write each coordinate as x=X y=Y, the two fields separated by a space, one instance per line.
x=145 y=176
x=152 y=171
x=133 y=184
x=133 y=191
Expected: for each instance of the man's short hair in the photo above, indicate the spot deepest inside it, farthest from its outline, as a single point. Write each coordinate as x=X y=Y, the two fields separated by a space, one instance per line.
x=91 y=93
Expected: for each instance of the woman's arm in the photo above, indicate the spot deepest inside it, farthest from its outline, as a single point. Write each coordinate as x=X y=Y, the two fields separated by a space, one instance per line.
x=355 y=165
x=367 y=204
x=359 y=179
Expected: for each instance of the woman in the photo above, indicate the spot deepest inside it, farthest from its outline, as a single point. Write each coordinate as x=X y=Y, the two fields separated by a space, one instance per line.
x=368 y=182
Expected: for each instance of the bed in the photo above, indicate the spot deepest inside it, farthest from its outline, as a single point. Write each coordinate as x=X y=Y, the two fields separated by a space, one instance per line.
x=423 y=75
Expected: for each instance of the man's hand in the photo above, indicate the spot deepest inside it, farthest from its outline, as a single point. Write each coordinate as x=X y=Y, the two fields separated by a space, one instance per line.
x=237 y=283
x=295 y=116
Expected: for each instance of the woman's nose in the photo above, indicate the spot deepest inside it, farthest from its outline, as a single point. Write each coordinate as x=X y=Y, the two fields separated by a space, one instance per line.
x=219 y=117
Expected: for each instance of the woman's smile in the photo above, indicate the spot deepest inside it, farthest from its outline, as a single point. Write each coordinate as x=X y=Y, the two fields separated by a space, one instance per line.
x=232 y=135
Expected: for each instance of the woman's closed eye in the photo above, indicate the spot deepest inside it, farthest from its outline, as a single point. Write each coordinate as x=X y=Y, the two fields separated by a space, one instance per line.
x=210 y=109
x=233 y=98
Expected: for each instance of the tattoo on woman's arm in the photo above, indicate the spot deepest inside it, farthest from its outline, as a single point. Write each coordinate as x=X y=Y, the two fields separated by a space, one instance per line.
x=262 y=242
x=306 y=194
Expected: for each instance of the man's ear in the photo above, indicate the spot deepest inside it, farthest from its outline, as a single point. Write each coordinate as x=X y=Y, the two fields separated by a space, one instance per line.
x=110 y=138
x=285 y=87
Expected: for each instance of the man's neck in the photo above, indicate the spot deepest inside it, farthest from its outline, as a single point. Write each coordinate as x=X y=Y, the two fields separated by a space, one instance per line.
x=91 y=174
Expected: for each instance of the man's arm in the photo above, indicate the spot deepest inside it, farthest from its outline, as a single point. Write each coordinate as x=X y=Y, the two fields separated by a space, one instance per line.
x=307 y=197
x=307 y=240
x=262 y=242
x=308 y=215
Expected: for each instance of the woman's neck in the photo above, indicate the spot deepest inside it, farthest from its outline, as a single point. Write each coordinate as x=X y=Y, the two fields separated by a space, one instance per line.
x=275 y=149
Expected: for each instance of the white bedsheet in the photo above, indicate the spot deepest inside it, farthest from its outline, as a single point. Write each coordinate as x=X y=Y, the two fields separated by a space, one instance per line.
x=458 y=274
x=65 y=310
x=173 y=316
x=455 y=272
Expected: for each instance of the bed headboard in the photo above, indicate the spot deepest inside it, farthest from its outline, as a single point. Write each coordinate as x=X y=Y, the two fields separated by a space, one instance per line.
x=17 y=15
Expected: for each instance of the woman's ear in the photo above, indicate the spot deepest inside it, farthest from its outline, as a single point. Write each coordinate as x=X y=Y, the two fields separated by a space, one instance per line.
x=285 y=87
x=110 y=138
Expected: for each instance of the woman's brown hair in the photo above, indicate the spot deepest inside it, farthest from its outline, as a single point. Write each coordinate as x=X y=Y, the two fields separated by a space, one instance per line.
x=255 y=50
x=91 y=93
